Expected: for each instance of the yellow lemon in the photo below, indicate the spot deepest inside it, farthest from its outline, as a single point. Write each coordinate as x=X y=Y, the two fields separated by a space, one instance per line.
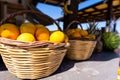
x=118 y=71
x=28 y=28
x=10 y=31
x=57 y=36
x=26 y=37
x=53 y=31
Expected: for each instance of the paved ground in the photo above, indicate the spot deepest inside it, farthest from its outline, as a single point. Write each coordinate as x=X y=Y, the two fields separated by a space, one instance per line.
x=102 y=66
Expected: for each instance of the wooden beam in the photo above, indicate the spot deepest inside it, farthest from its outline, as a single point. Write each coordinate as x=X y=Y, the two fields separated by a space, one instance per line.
x=34 y=2
x=109 y=12
x=71 y=17
x=19 y=1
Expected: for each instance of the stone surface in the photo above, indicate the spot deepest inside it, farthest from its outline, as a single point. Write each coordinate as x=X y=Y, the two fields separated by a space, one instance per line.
x=101 y=66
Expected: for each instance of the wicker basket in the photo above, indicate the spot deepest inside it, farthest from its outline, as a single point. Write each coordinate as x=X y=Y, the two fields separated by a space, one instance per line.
x=80 y=49
x=31 y=60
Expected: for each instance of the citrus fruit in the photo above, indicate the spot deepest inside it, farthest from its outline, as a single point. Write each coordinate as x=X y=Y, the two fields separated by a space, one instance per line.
x=57 y=36
x=39 y=26
x=53 y=31
x=26 y=37
x=70 y=32
x=76 y=35
x=28 y=28
x=42 y=34
x=77 y=29
x=84 y=33
x=43 y=37
x=10 y=31
x=66 y=38
x=118 y=71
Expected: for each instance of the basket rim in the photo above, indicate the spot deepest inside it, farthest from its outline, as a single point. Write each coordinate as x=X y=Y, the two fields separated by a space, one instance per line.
x=34 y=44
x=73 y=22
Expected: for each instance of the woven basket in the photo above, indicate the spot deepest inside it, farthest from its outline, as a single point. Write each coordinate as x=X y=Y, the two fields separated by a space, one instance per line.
x=31 y=60
x=80 y=49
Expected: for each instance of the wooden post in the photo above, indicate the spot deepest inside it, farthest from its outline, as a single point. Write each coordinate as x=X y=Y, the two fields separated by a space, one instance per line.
x=109 y=13
x=0 y=11
x=114 y=24
x=19 y=1
x=71 y=17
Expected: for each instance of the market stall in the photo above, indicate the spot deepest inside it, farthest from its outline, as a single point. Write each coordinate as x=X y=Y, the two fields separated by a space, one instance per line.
x=69 y=54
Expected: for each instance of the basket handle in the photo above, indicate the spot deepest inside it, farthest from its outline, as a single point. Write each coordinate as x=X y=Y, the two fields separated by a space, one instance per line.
x=27 y=11
x=73 y=22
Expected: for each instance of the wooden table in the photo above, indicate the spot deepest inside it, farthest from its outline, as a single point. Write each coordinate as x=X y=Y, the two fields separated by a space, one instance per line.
x=101 y=66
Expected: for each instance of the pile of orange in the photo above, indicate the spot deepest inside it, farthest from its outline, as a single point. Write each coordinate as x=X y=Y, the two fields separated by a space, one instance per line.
x=79 y=33
x=29 y=32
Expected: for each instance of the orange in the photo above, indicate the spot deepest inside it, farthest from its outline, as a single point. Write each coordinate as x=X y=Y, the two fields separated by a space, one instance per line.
x=28 y=28
x=84 y=33
x=90 y=36
x=10 y=31
x=70 y=32
x=77 y=29
x=57 y=36
x=26 y=37
x=43 y=37
x=76 y=35
x=42 y=34
x=39 y=26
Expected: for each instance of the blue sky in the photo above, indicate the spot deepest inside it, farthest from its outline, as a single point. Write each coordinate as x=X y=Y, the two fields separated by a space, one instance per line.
x=57 y=12
x=88 y=2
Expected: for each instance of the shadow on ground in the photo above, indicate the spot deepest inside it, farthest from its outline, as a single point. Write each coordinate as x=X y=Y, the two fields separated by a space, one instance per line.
x=2 y=65
x=103 y=56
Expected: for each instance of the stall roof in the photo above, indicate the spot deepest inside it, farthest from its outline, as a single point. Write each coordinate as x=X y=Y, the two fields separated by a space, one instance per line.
x=56 y=2
x=98 y=12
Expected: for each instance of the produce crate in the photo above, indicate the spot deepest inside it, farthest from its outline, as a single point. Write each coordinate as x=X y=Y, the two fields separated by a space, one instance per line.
x=31 y=60
x=80 y=48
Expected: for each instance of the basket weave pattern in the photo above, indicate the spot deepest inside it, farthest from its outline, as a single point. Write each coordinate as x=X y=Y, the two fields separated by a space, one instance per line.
x=80 y=50
x=31 y=63
x=31 y=60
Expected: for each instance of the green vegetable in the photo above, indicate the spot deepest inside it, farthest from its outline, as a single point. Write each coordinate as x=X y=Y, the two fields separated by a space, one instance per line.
x=111 y=40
